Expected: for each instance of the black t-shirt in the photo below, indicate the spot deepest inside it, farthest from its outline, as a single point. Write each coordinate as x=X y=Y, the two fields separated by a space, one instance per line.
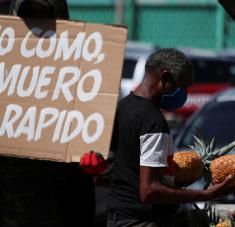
x=140 y=137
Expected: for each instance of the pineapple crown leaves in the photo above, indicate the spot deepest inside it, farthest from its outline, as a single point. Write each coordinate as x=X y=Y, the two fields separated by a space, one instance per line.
x=214 y=217
x=207 y=150
x=203 y=147
x=224 y=150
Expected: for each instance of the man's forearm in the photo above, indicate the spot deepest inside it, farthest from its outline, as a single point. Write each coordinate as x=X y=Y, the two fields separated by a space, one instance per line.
x=158 y=193
x=152 y=191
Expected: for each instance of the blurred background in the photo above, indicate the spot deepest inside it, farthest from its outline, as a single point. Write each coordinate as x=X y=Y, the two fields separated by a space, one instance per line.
x=203 y=31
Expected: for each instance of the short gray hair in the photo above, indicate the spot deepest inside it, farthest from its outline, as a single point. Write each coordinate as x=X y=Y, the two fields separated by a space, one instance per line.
x=172 y=60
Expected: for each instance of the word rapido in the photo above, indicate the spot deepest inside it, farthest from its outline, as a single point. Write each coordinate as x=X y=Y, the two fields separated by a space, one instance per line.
x=36 y=81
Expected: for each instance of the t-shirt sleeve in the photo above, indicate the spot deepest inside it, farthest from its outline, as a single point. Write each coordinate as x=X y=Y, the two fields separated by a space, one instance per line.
x=156 y=146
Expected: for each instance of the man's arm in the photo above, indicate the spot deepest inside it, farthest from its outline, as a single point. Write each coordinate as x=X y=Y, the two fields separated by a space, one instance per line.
x=152 y=191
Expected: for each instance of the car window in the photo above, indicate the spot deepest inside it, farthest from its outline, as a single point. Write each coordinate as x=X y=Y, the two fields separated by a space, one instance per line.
x=128 y=68
x=212 y=71
x=217 y=120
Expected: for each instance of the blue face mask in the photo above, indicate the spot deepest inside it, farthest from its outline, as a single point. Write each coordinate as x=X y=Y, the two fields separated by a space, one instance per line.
x=173 y=100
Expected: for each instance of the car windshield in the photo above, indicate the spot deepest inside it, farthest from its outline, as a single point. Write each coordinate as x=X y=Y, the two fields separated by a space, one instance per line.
x=218 y=71
x=128 y=68
x=217 y=120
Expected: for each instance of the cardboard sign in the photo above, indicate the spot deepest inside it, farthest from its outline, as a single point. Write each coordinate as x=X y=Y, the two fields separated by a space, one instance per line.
x=59 y=85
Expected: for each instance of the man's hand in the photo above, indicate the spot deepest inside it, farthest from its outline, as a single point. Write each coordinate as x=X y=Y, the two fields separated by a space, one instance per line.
x=224 y=188
x=93 y=163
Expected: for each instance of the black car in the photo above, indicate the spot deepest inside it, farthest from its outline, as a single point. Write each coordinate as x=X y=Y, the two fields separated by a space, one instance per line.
x=216 y=120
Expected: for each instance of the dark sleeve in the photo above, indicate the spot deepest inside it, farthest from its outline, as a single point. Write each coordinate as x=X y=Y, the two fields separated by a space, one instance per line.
x=114 y=140
x=154 y=124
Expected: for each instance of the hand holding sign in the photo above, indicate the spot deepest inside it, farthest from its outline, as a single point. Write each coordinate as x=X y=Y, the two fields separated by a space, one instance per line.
x=93 y=163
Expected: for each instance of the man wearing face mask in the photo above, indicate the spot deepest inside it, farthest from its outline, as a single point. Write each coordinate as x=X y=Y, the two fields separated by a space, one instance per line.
x=144 y=151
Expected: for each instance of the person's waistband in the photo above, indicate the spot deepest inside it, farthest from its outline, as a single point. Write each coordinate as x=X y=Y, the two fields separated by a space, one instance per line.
x=142 y=215
x=116 y=215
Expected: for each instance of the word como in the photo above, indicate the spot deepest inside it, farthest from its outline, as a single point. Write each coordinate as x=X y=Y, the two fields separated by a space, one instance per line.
x=82 y=46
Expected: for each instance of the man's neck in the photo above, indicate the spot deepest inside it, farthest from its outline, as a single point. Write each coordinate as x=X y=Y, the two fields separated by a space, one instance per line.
x=146 y=91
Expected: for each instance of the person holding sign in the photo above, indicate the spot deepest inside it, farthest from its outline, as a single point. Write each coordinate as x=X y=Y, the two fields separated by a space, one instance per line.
x=144 y=151
x=35 y=193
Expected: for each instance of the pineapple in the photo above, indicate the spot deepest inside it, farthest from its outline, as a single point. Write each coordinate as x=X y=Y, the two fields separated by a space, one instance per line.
x=191 y=165
x=222 y=167
x=188 y=167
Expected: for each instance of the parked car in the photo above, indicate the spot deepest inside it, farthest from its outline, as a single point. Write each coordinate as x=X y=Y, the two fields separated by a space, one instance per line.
x=136 y=54
x=215 y=119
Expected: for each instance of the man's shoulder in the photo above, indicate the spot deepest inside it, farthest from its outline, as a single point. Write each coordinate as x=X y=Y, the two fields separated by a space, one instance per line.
x=139 y=107
x=142 y=112
x=137 y=102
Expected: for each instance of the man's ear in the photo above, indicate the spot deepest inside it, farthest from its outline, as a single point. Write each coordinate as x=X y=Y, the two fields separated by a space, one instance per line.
x=165 y=78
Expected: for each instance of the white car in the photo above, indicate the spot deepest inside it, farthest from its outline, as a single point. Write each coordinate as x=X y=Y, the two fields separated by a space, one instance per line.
x=136 y=55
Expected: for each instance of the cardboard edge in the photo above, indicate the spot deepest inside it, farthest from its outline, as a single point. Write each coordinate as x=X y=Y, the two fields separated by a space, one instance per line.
x=12 y=17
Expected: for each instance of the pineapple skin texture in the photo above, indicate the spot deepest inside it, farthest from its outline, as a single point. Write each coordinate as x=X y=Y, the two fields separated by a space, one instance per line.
x=188 y=167
x=222 y=167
